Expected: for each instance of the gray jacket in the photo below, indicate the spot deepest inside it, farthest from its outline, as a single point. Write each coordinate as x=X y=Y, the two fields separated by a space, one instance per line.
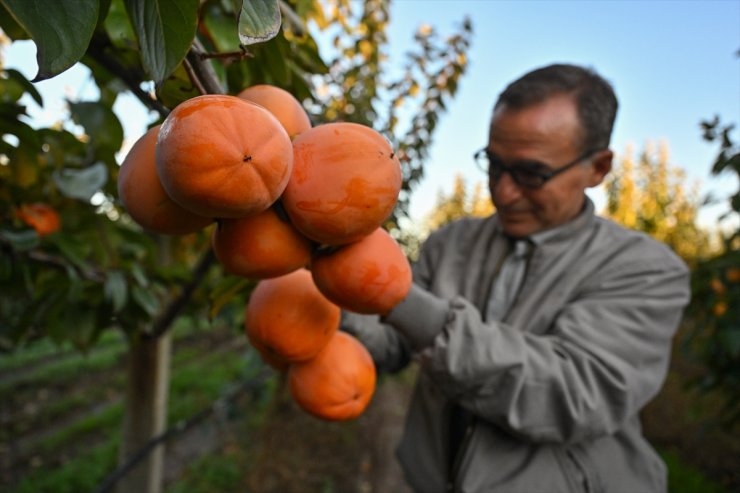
x=555 y=387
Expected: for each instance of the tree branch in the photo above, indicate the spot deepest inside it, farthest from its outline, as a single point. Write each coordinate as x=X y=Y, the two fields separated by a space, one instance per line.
x=55 y=262
x=202 y=73
x=163 y=322
x=97 y=51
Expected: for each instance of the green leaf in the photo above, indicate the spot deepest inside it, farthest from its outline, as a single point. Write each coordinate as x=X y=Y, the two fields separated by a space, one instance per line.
x=26 y=84
x=146 y=300
x=115 y=290
x=10 y=123
x=118 y=26
x=61 y=30
x=81 y=183
x=20 y=240
x=100 y=123
x=259 y=21
x=221 y=28
x=10 y=26
x=165 y=29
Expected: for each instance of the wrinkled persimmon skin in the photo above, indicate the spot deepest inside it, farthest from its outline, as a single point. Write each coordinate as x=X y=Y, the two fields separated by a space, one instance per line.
x=144 y=197
x=282 y=104
x=289 y=317
x=338 y=384
x=345 y=182
x=260 y=246
x=222 y=156
x=41 y=217
x=370 y=276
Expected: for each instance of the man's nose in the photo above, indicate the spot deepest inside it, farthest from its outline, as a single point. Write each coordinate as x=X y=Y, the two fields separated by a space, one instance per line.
x=505 y=189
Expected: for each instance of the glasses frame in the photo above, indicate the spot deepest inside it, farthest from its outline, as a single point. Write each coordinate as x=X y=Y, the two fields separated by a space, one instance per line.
x=515 y=172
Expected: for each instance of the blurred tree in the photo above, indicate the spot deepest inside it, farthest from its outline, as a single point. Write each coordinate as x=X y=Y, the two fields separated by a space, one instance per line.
x=651 y=196
x=99 y=270
x=459 y=204
x=714 y=310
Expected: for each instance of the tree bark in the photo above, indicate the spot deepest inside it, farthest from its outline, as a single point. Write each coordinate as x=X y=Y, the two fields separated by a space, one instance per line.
x=145 y=417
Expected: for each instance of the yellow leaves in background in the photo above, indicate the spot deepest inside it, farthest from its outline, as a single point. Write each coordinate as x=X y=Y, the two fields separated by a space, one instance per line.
x=649 y=194
x=459 y=204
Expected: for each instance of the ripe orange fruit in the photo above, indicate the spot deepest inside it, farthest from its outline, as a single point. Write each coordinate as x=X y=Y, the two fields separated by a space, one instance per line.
x=371 y=275
x=338 y=383
x=273 y=359
x=144 y=198
x=289 y=317
x=260 y=246
x=222 y=156
x=345 y=182
x=282 y=104
x=41 y=217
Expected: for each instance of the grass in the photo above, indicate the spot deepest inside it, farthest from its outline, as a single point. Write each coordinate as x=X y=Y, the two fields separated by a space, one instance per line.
x=83 y=473
x=46 y=348
x=196 y=382
x=683 y=478
x=64 y=373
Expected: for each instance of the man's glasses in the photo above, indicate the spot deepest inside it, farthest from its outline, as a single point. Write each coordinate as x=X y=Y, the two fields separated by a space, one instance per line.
x=529 y=174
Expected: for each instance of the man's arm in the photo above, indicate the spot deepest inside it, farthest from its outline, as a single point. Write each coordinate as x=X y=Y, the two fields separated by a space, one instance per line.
x=605 y=357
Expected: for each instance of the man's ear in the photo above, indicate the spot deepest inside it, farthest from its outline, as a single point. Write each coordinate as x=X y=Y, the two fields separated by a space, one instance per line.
x=601 y=165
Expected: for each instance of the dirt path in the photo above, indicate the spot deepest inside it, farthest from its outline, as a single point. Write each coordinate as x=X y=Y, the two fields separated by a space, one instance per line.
x=296 y=453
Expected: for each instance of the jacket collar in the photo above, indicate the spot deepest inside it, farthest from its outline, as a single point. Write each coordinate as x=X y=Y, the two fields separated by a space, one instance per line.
x=565 y=231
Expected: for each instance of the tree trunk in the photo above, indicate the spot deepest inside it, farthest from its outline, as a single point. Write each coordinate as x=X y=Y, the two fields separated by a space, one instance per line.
x=145 y=417
x=147 y=389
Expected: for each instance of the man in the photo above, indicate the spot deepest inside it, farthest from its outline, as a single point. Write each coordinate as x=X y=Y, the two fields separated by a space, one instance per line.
x=539 y=392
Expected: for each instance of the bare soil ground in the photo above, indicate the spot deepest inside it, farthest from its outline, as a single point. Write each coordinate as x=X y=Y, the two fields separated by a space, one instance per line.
x=297 y=453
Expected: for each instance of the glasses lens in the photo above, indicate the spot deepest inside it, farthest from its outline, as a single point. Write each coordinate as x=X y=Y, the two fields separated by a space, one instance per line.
x=527 y=178
x=481 y=160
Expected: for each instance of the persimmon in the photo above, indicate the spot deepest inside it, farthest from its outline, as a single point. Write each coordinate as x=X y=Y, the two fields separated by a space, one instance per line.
x=144 y=197
x=282 y=104
x=289 y=317
x=345 y=182
x=260 y=246
x=338 y=384
x=222 y=156
x=40 y=216
x=371 y=275
x=270 y=357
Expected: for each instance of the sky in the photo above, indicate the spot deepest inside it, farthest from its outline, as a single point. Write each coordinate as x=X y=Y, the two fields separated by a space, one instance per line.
x=673 y=63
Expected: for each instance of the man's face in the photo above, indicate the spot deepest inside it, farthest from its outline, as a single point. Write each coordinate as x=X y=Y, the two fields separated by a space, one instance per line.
x=548 y=133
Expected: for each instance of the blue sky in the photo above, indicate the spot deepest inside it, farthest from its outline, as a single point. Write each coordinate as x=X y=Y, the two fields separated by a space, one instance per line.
x=673 y=63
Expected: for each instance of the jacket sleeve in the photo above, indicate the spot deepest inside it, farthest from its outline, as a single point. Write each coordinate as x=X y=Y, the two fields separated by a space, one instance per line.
x=389 y=348
x=605 y=357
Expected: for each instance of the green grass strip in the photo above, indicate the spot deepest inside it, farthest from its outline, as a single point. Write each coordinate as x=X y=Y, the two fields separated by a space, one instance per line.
x=683 y=478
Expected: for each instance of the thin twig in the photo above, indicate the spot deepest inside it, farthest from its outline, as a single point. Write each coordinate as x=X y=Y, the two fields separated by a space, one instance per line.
x=193 y=77
x=296 y=23
x=55 y=262
x=175 y=305
x=97 y=51
x=238 y=54
x=202 y=70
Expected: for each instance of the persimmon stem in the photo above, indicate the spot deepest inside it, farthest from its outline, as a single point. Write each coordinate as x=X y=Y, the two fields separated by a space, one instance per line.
x=237 y=54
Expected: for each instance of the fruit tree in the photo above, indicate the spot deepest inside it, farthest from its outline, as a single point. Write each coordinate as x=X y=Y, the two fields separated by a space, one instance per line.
x=90 y=240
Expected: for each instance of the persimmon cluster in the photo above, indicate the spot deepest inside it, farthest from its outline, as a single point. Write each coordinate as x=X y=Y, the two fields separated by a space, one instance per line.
x=298 y=207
